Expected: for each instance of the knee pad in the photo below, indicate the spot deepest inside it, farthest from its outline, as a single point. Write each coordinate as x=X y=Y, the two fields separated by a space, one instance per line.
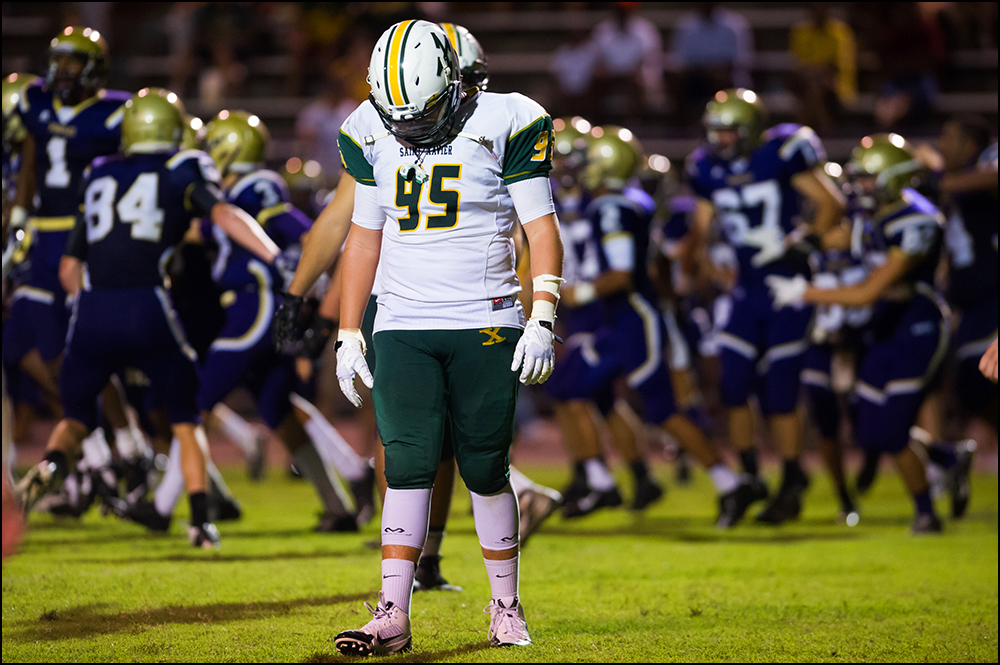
x=405 y=516
x=497 y=519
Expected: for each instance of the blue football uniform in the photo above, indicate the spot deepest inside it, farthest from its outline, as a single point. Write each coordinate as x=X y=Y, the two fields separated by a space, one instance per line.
x=907 y=337
x=761 y=349
x=835 y=327
x=630 y=340
x=243 y=353
x=971 y=239
x=67 y=139
x=136 y=209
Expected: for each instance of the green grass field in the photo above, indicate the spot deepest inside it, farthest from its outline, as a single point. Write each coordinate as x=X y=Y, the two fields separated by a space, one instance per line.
x=613 y=587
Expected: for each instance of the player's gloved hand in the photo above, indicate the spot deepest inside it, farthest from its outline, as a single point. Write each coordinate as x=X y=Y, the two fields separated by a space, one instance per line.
x=316 y=336
x=770 y=240
x=534 y=351
x=286 y=321
x=351 y=362
x=797 y=254
x=787 y=291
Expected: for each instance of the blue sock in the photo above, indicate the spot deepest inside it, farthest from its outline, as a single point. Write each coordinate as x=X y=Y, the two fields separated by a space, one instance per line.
x=924 y=504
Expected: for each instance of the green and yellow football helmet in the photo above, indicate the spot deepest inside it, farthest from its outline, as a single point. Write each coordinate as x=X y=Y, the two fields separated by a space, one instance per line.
x=236 y=140
x=890 y=159
x=471 y=57
x=735 y=109
x=613 y=157
x=13 y=87
x=153 y=121
x=88 y=47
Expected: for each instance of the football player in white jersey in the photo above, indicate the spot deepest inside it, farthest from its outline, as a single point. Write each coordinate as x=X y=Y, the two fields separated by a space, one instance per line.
x=442 y=179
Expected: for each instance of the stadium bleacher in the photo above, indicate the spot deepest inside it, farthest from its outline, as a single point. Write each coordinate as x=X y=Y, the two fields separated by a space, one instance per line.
x=520 y=45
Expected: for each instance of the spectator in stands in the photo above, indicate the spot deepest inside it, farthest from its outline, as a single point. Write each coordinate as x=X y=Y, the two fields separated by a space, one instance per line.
x=911 y=52
x=629 y=70
x=826 y=75
x=572 y=67
x=712 y=49
x=317 y=128
x=224 y=36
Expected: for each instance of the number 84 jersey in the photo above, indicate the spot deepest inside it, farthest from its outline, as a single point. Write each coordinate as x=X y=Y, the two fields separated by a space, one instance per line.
x=448 y=230
x=753 y=196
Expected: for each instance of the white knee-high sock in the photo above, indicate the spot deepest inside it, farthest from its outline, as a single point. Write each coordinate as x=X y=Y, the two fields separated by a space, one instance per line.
x=171 y=486
x=242 y=433
x=329 y=488
x=405 y=516
x=497 y=525
x=332 y=447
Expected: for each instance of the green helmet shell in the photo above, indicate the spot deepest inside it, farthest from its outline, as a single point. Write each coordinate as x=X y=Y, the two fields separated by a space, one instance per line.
x=888 y=157
x=739 y=109
x=236 y=140
x=85 y=43
x=613 y=157
x=13 y=87
x=153 y=121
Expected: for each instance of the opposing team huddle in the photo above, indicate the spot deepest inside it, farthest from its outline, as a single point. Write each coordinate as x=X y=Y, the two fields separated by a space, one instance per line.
x=157 y=265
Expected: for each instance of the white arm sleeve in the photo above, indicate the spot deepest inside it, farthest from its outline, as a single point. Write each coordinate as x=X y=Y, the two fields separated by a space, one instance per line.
x=532 y=198
x=367 y=212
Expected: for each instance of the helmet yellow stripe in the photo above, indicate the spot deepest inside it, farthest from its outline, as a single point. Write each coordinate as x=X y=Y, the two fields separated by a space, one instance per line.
x=449 y=29
x=395 y=71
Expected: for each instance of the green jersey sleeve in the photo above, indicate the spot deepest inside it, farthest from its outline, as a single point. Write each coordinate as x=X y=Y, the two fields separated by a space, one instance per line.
x=354 y=160
x=529 y=151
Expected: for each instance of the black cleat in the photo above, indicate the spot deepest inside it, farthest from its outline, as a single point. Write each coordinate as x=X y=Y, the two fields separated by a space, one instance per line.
x=143 y=512
x=848 y=512
x=428 y=576
x=332 y=523
x=204 y=537
x=647 y=491
x=591 y=501
x=926 y=523
x=958 y=482
x=733 y=505
x=224 y=508
x=364 y=495
x=787 y=505
x=577 y=487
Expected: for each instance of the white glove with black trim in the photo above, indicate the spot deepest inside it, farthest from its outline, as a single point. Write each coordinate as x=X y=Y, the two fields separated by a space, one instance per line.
x=534 y=351
x=787 y=291
x=350 y=362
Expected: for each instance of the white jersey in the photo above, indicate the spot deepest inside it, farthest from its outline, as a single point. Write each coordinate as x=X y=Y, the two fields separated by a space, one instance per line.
x=447 y=258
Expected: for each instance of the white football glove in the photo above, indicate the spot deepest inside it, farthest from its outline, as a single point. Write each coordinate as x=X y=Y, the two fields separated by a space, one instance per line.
x=351 y=362
x=534 y=350
x=787 y=291
x=770 y=240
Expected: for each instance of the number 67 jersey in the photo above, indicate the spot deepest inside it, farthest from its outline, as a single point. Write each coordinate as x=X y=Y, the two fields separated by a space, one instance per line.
x=447 y=246
x=755 y=192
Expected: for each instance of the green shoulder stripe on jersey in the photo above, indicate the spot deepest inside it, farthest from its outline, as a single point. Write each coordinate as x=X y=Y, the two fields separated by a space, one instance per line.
x=354 y=160
x=529 y=151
